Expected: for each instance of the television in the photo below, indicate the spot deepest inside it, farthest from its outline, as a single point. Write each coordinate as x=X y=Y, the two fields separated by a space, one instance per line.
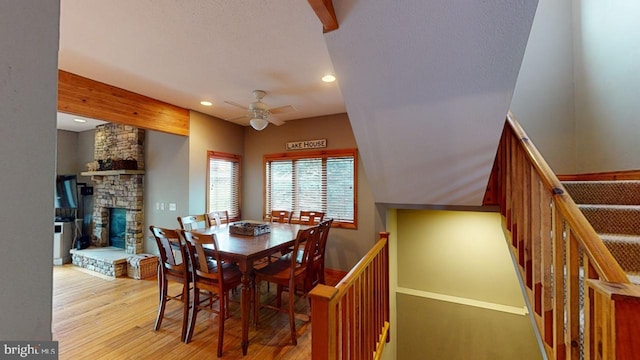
x=66 y=196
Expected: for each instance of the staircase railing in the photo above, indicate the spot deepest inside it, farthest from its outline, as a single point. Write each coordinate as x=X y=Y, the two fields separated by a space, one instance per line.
x=582 y=301
x=351 y=320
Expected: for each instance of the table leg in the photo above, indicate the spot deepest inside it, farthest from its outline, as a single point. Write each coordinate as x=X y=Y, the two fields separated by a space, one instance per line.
x=245 y=303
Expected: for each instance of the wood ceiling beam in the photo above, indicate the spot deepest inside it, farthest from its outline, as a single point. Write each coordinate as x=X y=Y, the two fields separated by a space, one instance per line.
x=81 y=96
x=324 y=11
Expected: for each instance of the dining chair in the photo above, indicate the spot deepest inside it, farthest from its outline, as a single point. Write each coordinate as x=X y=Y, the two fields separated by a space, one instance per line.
x=218 y=218
x=286 y=272
x=209 y=273
x=281 y=216
x=174 y=268
x=310 y=217
x=193 y=222
x=317 y=273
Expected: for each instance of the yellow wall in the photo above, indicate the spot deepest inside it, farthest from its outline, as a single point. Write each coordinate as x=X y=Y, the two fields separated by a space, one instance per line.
x=457 y=294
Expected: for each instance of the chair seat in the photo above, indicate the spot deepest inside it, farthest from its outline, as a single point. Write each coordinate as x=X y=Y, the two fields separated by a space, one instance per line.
x=230 y=272
x=279 y=269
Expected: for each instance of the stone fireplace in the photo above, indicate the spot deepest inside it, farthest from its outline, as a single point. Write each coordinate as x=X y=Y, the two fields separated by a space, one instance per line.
x=118 y=188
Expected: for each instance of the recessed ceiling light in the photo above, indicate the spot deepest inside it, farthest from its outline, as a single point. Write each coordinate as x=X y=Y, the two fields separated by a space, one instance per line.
x=80 y=120
x=329 y=78
x=206 y=103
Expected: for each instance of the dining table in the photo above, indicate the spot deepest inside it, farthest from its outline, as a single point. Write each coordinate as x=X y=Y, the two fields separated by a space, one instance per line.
x=246 y=250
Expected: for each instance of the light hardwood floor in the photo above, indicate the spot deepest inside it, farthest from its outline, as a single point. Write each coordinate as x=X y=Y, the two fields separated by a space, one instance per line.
x=96 y=317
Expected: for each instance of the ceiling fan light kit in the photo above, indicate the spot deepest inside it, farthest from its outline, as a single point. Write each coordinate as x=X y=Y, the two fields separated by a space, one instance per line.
x=258 y=123
x=259 y=112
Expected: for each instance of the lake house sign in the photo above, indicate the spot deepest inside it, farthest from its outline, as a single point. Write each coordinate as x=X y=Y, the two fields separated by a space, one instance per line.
x=307 y=144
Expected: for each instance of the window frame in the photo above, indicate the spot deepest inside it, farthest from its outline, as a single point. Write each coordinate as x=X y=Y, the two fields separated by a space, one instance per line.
x=233 y=158
x=323 y=154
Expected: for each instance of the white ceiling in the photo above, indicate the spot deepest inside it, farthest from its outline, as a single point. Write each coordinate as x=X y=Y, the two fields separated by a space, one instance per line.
x=182 y=52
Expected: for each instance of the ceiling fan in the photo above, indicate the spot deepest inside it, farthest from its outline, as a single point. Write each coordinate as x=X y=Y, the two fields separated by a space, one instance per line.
x=260 y=113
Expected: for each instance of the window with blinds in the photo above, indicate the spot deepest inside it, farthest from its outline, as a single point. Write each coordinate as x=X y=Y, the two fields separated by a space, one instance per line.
x=319 y=181
x=224 y=183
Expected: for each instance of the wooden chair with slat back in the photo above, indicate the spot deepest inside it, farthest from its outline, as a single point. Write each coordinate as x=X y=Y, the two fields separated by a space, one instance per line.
x=281 y=216
x=216 y=218
x=317 y=274
x=286 y=272
x=174 y=268
x=193 y=222
x=311 y=217
x=212 y=275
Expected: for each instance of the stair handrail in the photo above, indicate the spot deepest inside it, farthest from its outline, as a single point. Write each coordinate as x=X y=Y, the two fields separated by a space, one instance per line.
x=605 y=264
x=352 y=319
x=582 y=301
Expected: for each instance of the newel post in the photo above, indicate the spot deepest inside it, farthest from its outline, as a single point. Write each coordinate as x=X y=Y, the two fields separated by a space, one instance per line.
x=323 y=320
x=613 y=318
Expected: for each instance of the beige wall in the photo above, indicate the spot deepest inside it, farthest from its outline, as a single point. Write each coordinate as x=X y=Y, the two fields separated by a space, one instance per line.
x=344 y=247
x=208 y=133
x=456 y=253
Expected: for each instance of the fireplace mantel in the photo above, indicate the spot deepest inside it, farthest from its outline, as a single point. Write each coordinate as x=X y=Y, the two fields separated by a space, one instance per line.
x=112 y=172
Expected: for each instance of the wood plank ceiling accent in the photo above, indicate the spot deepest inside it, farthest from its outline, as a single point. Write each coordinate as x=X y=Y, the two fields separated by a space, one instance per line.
x=324 y=11
x=81 y=96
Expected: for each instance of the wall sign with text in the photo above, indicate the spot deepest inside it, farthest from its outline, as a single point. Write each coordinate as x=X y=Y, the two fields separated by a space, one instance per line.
x=307 y=144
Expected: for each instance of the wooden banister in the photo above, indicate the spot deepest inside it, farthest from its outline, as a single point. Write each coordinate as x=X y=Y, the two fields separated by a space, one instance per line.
x=351 y=320
x=562 y=261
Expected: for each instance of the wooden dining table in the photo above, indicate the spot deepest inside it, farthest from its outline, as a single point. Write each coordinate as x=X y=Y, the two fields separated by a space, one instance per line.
x=245 y=250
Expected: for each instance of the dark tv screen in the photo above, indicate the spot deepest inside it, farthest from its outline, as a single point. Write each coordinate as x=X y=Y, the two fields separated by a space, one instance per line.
x=66 y=196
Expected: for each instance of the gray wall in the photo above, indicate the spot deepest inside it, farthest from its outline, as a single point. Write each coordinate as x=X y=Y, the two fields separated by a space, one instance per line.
x=67 y=153
x=607 y=80
x=543 y=99
x=576 y=94
x=344 y=247
x=166 y=181
x=28 y=98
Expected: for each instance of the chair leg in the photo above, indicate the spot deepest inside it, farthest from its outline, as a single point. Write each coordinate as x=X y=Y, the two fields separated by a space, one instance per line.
x=185 y=311
x=279 y=296
x=292 y=317
x=222 y=310
x=162 y=300
x=193 y=310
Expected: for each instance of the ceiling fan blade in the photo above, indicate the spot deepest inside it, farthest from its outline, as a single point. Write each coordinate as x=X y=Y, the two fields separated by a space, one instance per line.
x=237 y=118
x=282 y=109
x=275 y=121
x=237 y=105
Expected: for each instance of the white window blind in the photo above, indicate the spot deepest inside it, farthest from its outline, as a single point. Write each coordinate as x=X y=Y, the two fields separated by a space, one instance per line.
x=320 y=181
x=224 y=183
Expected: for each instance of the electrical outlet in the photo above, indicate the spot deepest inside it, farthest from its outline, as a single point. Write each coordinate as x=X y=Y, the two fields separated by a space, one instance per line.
x=161 y=206
x=172 y=207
